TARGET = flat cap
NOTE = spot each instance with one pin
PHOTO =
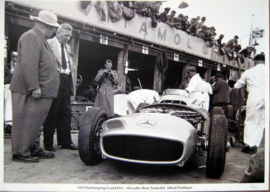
(218, 75)
(260, 57)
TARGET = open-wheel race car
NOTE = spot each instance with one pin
(169, 132)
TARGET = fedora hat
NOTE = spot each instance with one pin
(48, 18)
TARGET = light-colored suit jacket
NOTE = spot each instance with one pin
(54, 46)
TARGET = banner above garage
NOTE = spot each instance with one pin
(139, 28)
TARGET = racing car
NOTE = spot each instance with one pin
(168, 132)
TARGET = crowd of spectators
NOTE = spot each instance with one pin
(196, 27)
(192, 26)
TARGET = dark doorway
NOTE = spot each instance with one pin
(173, 75)
(14, 34)
(145, 64)
(201, 71)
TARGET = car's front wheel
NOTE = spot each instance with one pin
(216, 153)
(89, 135)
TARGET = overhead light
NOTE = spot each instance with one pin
(183, 5)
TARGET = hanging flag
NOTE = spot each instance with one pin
(258, 33)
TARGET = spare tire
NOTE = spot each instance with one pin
(89, 135)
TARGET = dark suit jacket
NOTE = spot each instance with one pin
(53, 44)
(220, 90)
(36, 66)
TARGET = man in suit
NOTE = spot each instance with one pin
(59, 116)
(220, 91)
(108, 80)
(34, 84)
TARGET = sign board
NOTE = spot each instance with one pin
(176, 57)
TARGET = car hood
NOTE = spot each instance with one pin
(150, 124)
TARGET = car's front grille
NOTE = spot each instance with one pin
(142, 148)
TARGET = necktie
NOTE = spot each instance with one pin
(64, 62)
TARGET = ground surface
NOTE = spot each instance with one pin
(67, 168)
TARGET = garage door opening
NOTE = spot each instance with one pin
(92, 58)
(14, 34)
(145, 64)
(173, 75)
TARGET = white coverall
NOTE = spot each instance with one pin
(141, 96)
(255, 115)
(207, 90)
(196, 89)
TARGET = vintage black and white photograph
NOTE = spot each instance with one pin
(135, 95)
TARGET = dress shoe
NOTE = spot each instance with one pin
(25, 159)
(70, 146)
(42, 154)
(49, 148)
(249, 150)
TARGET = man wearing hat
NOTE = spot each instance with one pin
(108, 80)
(59, 116)
(163, 15)
(195, 88)
(34, 84)
(255, 113)
(220, 91)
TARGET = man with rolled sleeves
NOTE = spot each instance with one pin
(34, 84)
(59, 116)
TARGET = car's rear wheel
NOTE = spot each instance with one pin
(216, 153)
(89, 135)
(217, 111)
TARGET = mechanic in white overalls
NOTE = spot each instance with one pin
(255, 113)
(195, 88)
(207, 91)
(135, 98)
